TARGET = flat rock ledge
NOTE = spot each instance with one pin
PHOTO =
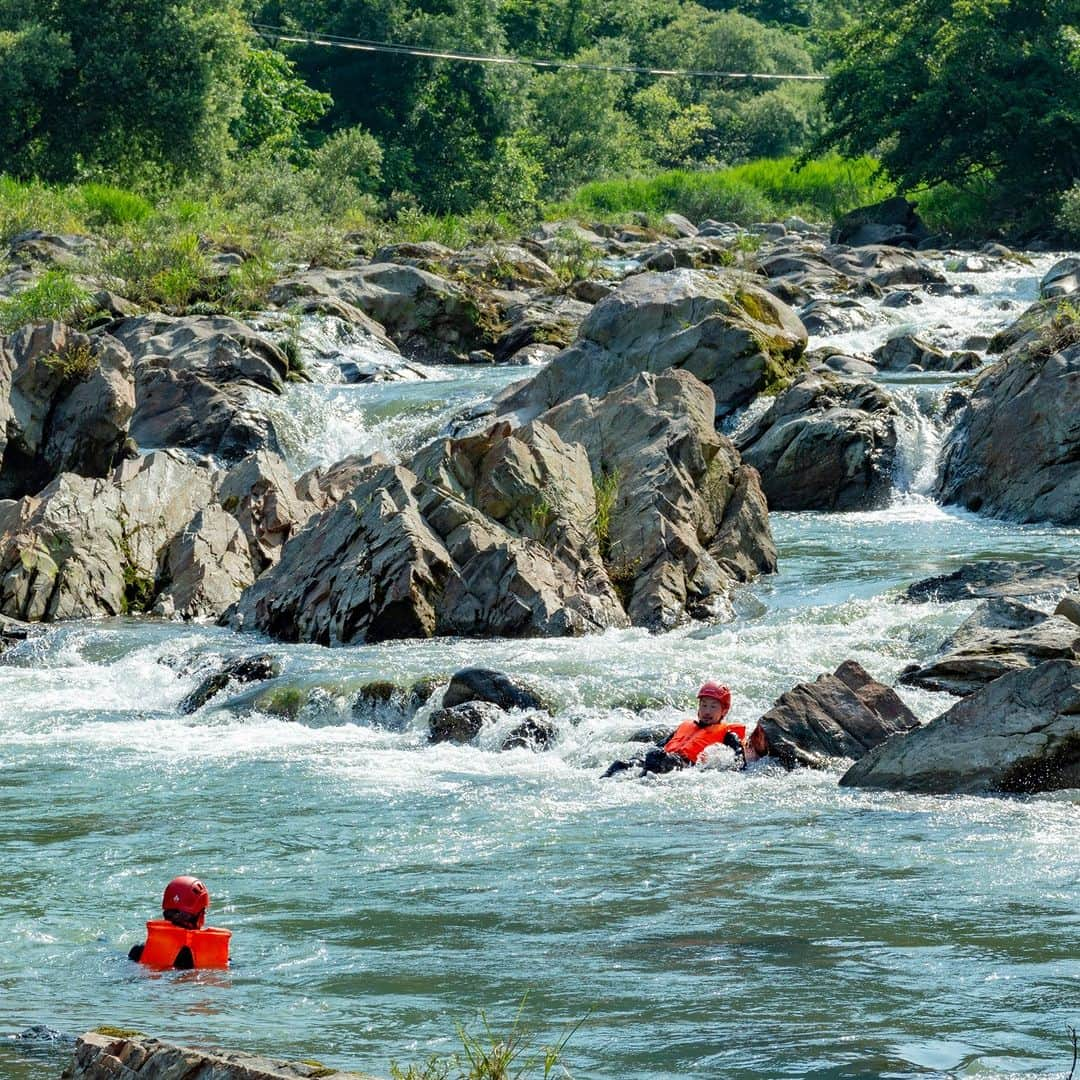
(110, 1057)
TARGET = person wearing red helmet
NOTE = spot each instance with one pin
(179, 939)
(691, 739)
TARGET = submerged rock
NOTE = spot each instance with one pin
(1018, 735)
(240, 669)
(993, 578)
(843, 715)
(462, 723)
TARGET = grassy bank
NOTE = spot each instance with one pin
(757, 191)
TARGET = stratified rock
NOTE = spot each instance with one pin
(65, 403)
(239, 670)
(731, 334)
(892, 221)
(1000, 636)
(1018, 735)
(843, 715)
(684, 517)
(426, 315)
(91, 547)
(550, 320)
(1014, 449)
(826, 443)
(138, 1057)
(993, 578)
(483, 684)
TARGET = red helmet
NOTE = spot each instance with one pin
(715, 690)
(187, 895)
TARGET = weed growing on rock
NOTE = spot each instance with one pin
(75, 363)
(606, 490)
(55, 295)
(1062, 332)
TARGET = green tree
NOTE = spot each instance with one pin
(128, 83)
(958, 90)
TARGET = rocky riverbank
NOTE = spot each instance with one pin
(627, 482)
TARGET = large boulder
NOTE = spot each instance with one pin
(892, 221)
(681, 516)
(1000, 636)
(1062, 279)
(1015, 445)
(1020, 734)
(826, 443)
(482, 684)
(65, 403)
(135, 1056)
(405, 557)
(426, 315)
(720, 327)
(843, 715)
(193, 380)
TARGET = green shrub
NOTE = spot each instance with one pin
(76, 363)
(171, 270)
(1068, 215)
(33, 205)
(55, 295)
(606, 489)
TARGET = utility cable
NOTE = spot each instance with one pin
(335, 41)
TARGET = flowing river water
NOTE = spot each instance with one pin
(382, 891)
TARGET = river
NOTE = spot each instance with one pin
(382, 891)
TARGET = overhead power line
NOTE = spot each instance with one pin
(337, 42)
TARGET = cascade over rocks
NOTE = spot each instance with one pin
(139, 1057)
(1002, 635)
(65, 403)
(428, 317)
(843, 715)
(238, 670)
(686, 517)
(1020, 734)
(733, 335)
(1014, 450)
(826, 443)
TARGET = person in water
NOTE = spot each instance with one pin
(179, 939)
(687, 746)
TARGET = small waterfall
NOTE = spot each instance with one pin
(920, 433)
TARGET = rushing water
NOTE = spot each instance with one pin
(710, 924)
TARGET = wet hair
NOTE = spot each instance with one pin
(184, 919)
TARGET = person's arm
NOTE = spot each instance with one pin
(135, 953)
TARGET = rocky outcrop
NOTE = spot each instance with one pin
(1018, 735)
(152, 536)
(193, 377)
(1014, 450)
(427, 316)
(682, 516)
(1000, 636)
(402, 557)
(65, 403)
(826, 443)
(843, 715)
(906, 352)
(545, 321)
(133, 1056)
(893, 221)
(722, 328)
(993, 578)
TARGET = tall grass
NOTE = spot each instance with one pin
(55, 295)
(824, 188)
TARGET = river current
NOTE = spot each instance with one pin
(382, 891)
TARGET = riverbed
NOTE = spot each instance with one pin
(382, 891)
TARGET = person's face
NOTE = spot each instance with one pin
(709, 711)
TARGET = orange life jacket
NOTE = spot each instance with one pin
(209, 946)
(690, 738)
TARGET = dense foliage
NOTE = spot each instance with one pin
(983, 95)
(979, 99)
